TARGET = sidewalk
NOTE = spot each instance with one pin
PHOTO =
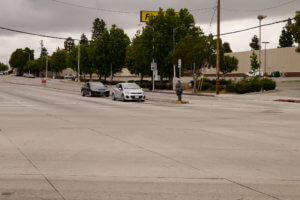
(184, 93)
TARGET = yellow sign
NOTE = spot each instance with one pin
(145, 15)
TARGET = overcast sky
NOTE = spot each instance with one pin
(53, 18)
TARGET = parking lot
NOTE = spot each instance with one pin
(56, 144)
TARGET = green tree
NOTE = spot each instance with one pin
(99, 49)
(229, 64)
(58, 60)
(254, 61)
(196, 53)
(69, 43)
(295, 29)
(117, 44)
(164, 24)
(20, 57)
(86, 65)
(254, 43)
(83, 39)
(3, 67)
(98, 28)
(44, 52)
(35, 66)
(72, 58)
(286, 37)
(139, 55)
(226, 47)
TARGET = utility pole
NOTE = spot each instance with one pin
(42, 47)
(260, 18)
(218, 51)
(78, 70)
(46, 66)
(265, 57)
(111, 72)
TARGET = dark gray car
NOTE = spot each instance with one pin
(94, 89)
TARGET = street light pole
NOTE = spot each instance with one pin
(260, 18)
(46, 67)
(174, 66)
(153, 71)
(265, 56)
(218, 50)
(78, 70)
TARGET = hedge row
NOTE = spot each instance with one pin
(240, 87)
(251, 85)
(148, 85)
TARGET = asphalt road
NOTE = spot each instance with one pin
(55, 144)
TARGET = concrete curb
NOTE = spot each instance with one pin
(187, 94)
(288, 100)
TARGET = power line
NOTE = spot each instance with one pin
(63, 38)
(247, 29)
(114, 11)
(92, 8)
(259, 10)
(35, 34)
(213, 16)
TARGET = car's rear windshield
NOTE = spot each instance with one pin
(130, 86)
(96, 84)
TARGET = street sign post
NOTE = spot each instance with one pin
(179, 66)
(153, 69)
(153, 66)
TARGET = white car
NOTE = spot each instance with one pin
(69, 76)
(128, 92)
(252, 73)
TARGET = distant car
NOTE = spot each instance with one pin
(252, 73)
(25, 75)
(69, 76)
(94, 89)
(128, 92)
(30, 76)
(1, 73)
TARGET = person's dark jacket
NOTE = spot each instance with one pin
(179, 88)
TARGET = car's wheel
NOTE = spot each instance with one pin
(123, 97)
(113, 96)
(82, 93)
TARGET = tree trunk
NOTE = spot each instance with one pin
(142, 78)
(91, 76)
(161, 79)
(111, 73)
(195, 79)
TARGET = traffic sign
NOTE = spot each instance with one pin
(179, 63)
(153, 66)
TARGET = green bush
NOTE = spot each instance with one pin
(251, 85)
(268, 84)
(206, 86)
(231, 87)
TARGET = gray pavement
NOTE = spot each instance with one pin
(55, 144)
